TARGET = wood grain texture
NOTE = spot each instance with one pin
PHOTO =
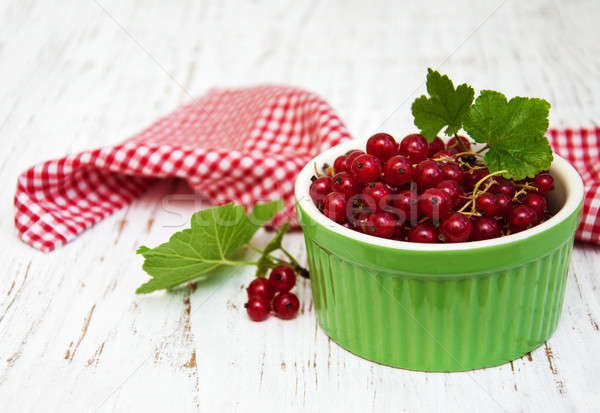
(79, 74)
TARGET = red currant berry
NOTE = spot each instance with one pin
(359, 221)
(381, 224)
(537, 202)
(473, 176)
(424, 233)
(451, 170)
(286, 305)
(258, 308)
(485, 228)
(521, 218)
(415, 147)
(334, 206)
(398, 171)
(454, 145)
(445, 155)
(343, 182)
(436, 146)
(376, 196)
(453, 189)
(366, 168)
(544, 183)
(427, 174)
(339, 165)
(503, 186)
(260, 287)
(435, 204)
(382, 146)
(504, 205)
(407, 203)
(351, 156)
(319, 189)
(487, 204)
(282, 278)
(456, 228)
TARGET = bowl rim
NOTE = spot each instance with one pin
(560, 167)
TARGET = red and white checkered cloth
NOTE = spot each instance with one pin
(241, 145)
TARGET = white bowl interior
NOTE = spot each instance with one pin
(563, 201)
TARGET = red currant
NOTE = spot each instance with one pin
(454, 145)
(398, 171)
(521, 218)
(443, 155)
(351, 156)
(503, 186)
(436, 146)
(456, 228)
(286, 305)
(258, 308)
(381, 224)
(382, 146)
(282, 278)
(407, 202)
(339, 165)
(424, 233)
(451, 170)
(504, 204)
(366, 168)
(415, 147)
(474, 176)
(435, 204)
(427, 174)
(544, 183)
(376, 196)
(485, 228)
(487, 204)
(343, 182)
(453, 189)
(260, 287)
(319, 189)
(537, 202)
(334, 206)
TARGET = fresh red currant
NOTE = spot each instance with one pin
(504, 204)
(339, 165)
(485, 228)
(503, 186)
(286, 305)
(359, 221)
(407, 202)
(319, 189)
(437, 145)
(521, 218)
(487, 204)
(366, 168)
(260, 287)
(343, 182)
(453, 189)
(415, 147)
(376, 196)
(454, 145)
(351, 156)
(544, 183)
(452, 171)
(427, 174)
(381, 224)
(473, 176)
(435, 204)
(282, 278)
(424, 233)
(397, 171)
(382, 146)
(258, 308)
(456, 228)
(537, 202)
(334, 206)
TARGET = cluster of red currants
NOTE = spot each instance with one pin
(427, 192)
(273, 293)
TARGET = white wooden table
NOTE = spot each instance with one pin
(79, 74)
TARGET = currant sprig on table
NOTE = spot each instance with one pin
(216, 238)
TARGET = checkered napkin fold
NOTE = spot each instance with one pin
(241, 145)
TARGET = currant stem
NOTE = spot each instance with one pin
(460, 143)
(486, 147)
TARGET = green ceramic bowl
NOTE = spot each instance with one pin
(440, 307)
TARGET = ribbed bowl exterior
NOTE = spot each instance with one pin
(457, 324)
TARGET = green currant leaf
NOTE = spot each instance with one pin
(445, 106)
(212, 241)
(514, 130)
